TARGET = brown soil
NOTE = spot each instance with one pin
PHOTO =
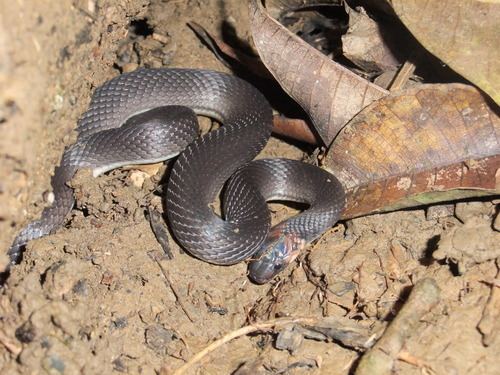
(98, 297)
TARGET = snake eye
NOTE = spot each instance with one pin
(278, 266)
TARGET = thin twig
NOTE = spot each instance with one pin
(264, 326)
(294, 128)
(170, 285)
(9, 344)
(414, 361)
(402, 76)
(221, 49)
(379, 360)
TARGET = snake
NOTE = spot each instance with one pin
(150, 115)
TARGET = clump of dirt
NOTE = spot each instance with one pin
(100, 295)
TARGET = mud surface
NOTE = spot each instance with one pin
(100, 297)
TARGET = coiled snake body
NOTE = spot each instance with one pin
(149, 115)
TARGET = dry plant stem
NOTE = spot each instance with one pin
(221, 50)
(295, 129)
(417, 362)
(342, 330)
(264, 326)
(380, 359)
(177, 297)
(9, 344)
(402, 77)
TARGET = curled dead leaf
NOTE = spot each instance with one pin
(328, 92)
(420, 146)
(365, 43)
(428, 144)
(464, 34)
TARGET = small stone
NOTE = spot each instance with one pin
(439, 212)
(58, 102)
(158, 337)
(129, 67)
(61, 276)
(26, 333)
(218, 310)
(107, 278)
(138, 178)
(81, 287)
(56, 363)
(48, 197)
(119, 365)
(96, 222)
(289, 339)
(91, 6)
(149, 169)
(120, 323)
(139, 215)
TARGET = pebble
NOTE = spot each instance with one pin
(26, 333)
(158, 337)
(289, 339)
(129, 67)
(138, 178)
(439, 212)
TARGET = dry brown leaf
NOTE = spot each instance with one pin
(277, 7)
(464, 34)
(328, 92)
(224, 51)
(423, 145)
(365, 43)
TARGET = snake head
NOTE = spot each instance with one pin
(276, 253)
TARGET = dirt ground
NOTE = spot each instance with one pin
(98, 297)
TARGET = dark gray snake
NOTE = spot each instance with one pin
(150, 115)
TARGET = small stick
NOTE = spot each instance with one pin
(402, 76)
(294, 128)
(169, 283)
(219, 48)
(264, 326)
(379, 360)
(9, 344)
(412, 360)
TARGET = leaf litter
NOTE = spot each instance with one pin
(99, 296)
